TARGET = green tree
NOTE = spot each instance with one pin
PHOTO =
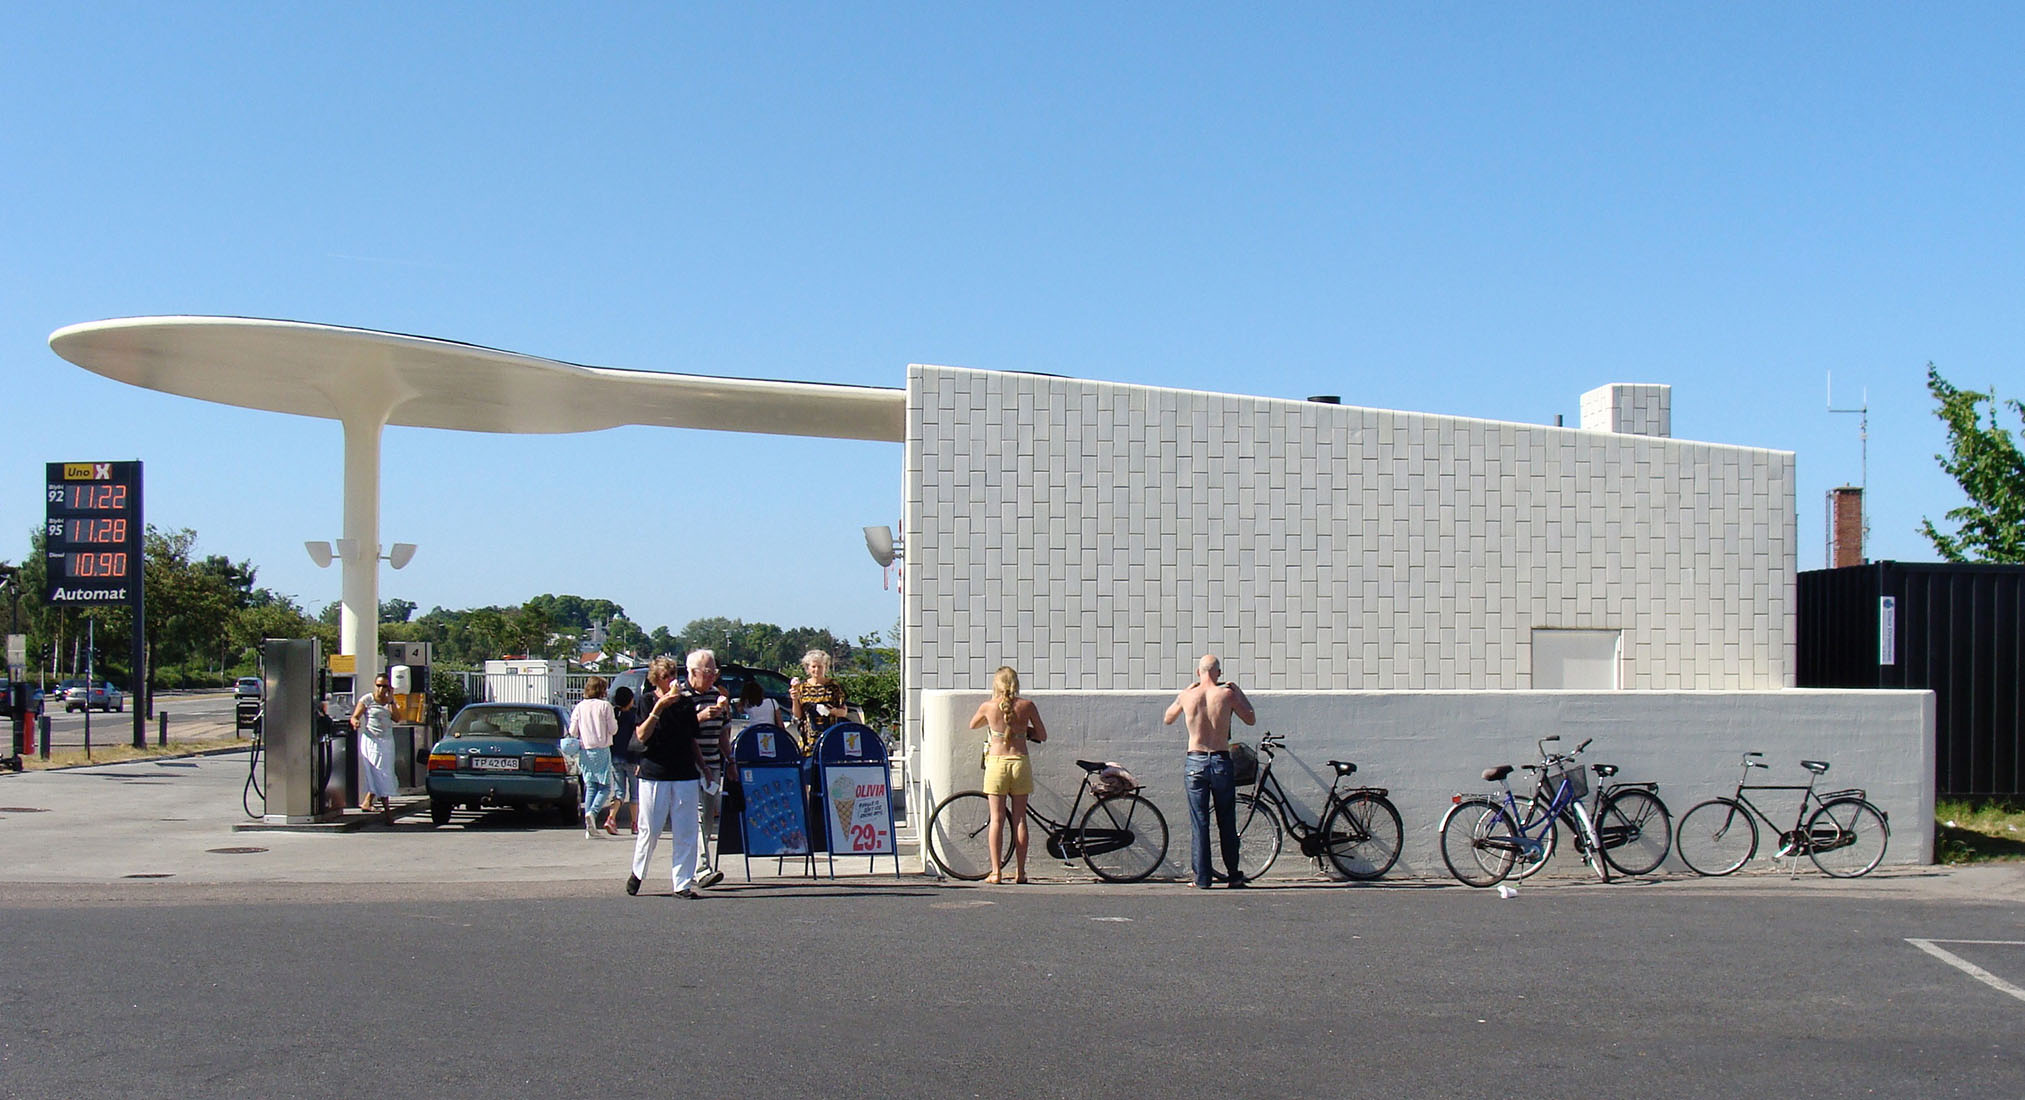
(661, 643)
(1983, 458)
(396, 611)
(623, 635)
(274, 616)
(871, 678)
(574, 612)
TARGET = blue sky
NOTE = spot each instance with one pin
(1477, 209)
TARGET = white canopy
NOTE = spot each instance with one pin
(335, 372)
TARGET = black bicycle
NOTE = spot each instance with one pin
(1122, 836)
(1359, 831)
(1845, 836)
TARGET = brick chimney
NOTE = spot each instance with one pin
(1845, 527)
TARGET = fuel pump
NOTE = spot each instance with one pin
(297, 740)
(414, 720)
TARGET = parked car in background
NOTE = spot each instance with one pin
(732, 678)
(34, 695)
(101, 695)
(248, 687)
(502, 754)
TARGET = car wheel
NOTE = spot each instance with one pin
(439, 809)
(122, 705)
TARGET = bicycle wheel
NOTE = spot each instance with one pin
(1716, 837)
(1123, 838)
(1478, 842)
(957, 839)
(1636, 831)
(1847, 837)
(1260, 837)
(1526, 864)
(1361, 834)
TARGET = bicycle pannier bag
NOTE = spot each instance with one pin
(1244, 764)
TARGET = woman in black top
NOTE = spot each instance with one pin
(671, 773)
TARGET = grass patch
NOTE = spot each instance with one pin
(1975, 832)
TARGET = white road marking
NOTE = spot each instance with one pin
(1969, 968)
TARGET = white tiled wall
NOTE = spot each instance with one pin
(1098, 536)
(1631, 409)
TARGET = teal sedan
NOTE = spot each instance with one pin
(503, 754)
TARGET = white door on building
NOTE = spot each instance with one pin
(1577, 660)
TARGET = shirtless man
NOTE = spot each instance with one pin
(1209, 704)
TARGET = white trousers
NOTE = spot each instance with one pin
(670, 804)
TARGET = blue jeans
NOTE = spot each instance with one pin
(1210, 781)
(596, 766)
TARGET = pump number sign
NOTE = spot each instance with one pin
(94, 550)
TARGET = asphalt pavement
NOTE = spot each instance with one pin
(157, 951)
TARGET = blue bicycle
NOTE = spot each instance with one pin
(1483, 838)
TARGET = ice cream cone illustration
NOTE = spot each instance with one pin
(844, 794)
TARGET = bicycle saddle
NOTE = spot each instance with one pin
(1605, 770)
(1818, 767)
(1492, 775)
(1091, 765)
(1343, 767)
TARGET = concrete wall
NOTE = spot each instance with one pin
(1098, 536)
(1426, 746)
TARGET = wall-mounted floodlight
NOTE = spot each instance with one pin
(881, 544)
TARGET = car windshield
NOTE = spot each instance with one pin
(506, 722)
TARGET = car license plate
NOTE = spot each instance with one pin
(496, 763)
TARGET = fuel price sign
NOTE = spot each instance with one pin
(94, 551)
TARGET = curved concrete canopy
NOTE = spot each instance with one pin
(344, 373)
(366, 380)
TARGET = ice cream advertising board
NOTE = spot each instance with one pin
(773, 820)
(855, 797)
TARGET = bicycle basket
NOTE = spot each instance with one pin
(1113, 780)
(1244, 764)
(1578, 784)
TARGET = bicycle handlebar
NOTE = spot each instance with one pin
(1560, 757)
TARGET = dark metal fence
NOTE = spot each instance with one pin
(1957, 630)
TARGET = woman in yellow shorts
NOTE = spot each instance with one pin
(1008, 774)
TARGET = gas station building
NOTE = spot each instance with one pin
(1426, 595)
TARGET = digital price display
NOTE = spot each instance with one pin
(94, 529)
